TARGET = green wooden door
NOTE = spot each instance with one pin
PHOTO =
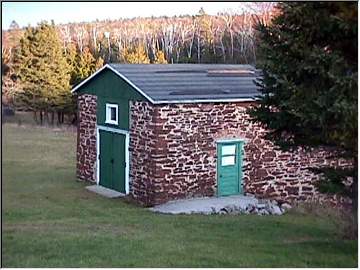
(118, 151)
(105, 159)
(229, 168)
(112, 160)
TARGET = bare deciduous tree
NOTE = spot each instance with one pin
(227, 37)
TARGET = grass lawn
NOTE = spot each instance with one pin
(50, 220)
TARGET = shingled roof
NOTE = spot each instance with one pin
(184, 83)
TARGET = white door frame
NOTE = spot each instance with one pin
(127, 166)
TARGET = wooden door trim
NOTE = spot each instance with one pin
(239, 157)
(127, 155)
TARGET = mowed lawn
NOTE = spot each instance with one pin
(50, 220)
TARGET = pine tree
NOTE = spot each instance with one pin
(160, 58)
(71, 58)
(99, 63)
(8, 82)
(83, 65)
(208, 52)
(308, 55)
(42, 70)
(137, 55)
(14, 25)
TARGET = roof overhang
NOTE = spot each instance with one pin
(107, 66)
(205, 100)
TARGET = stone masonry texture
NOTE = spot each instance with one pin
(177, 156)
(173, 153)
(142, 150)
(86, 140)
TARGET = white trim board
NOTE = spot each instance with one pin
(160, 101)
(111, 129)
(97, 156)
(231, 140)
(127, 154)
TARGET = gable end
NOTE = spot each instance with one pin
(108, 67)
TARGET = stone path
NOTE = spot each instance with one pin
(237, 204)
(204, 205)
(106, 192)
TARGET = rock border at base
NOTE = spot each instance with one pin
(263, 207)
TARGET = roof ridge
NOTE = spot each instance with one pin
(156, 84)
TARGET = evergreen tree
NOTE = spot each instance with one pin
(308, 55)
(160, 58)
(71, 58)
(98, 63)
(82, 65)
(85, 65)
(137, 55)
(14, 25)
(8, 83)
(42, 70)
(207, 42)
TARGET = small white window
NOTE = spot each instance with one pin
(228, 150)
(228, 161)
(228, 153)
(111, 114)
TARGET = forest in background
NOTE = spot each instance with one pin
(228, 37)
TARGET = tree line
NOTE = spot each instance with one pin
(38, 74)
(42, 63)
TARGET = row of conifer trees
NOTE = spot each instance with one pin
(40, 72)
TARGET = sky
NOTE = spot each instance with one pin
(25, 13)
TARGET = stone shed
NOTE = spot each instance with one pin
(165, 132)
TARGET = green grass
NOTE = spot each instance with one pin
(20, 118)
(50, 220)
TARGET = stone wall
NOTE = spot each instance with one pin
(180, 156)
(86, 141)
(142, 151)
(173, 153)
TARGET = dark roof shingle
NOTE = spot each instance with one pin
(192, 82)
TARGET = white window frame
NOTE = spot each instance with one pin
(108, 108)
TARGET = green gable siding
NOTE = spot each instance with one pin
(123, 115)
(110, 88)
